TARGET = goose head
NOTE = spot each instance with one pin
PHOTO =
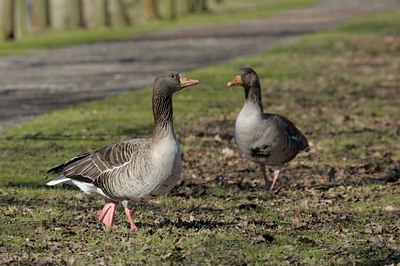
(245, 77)
(172, 82)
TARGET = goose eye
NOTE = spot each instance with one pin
(172, 76)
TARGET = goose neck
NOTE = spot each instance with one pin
(162, 114)
(253, 96)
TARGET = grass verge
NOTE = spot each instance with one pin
(337, 205)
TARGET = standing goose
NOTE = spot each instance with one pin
(266, 139)
(132, 170)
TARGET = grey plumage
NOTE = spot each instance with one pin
(110, 168)
(132, 170)
(264, 138)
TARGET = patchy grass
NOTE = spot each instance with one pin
(225, 12)
(339, 204)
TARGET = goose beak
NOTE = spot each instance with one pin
(237, 81)
(186, 82)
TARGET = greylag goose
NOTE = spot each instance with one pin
(266, 139)
(132, 170)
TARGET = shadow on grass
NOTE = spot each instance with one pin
(31, 185)
(198, 224)
(390, 178)
(383, 255)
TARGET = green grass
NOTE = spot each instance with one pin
(231, 10)
(340, 87)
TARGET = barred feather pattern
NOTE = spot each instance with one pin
(132, 170)
(123, 180)
(89, 166)
(127, 170)
(144, 176)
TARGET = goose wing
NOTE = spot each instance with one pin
(88, 167)
(291, 130)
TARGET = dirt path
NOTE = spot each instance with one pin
(54, 78)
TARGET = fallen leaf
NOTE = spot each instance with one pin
(391, 208)
(228, 152)
(378, 240)
(166, 256)
(144, 248)
(217, 138)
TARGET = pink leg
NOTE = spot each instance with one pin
(129, 215)
(107, 214)
(266, 179)
(276, 176)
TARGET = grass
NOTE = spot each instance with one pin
(231, 10)
(338, 204)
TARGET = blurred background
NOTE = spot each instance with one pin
(25, 17)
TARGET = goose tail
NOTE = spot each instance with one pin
(58, 180)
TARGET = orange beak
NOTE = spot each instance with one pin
(237, 81)
(186, 82)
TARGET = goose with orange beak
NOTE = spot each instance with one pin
(133, 170)
(264, 138)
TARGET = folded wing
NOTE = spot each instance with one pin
(289, 128)
(89, 166)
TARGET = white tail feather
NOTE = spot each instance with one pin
(87, 188)
(58, 180)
